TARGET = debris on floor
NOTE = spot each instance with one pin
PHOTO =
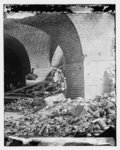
(61, 117)
(54, 83)
(48, 113)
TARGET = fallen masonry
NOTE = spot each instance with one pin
(42, 110)
(54, 83)
(61, 117)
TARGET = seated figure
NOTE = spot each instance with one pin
(32, 75)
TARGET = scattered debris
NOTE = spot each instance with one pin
(64, 118)
(51, 100)
(54, 83)
(47, 113)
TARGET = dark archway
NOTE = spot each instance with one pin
(16, 62)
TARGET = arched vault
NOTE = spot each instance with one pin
(63, 32)
(16, 61)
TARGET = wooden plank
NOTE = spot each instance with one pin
(23, 88)
(15, 97)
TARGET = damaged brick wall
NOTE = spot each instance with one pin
(63, 33)
(96, 31)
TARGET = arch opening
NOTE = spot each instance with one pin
(16, 64)
(58, 58)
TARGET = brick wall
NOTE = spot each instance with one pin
(75, 79)
(96, 32)
(51, 30)
(90, 35)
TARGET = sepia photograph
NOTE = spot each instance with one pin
(59, 74)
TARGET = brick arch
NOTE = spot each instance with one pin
(15, 59)
(58, 58)
(63, 33)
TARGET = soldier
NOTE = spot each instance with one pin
(32, 75)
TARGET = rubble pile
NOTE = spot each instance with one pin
(61, 117)
(25, 105)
